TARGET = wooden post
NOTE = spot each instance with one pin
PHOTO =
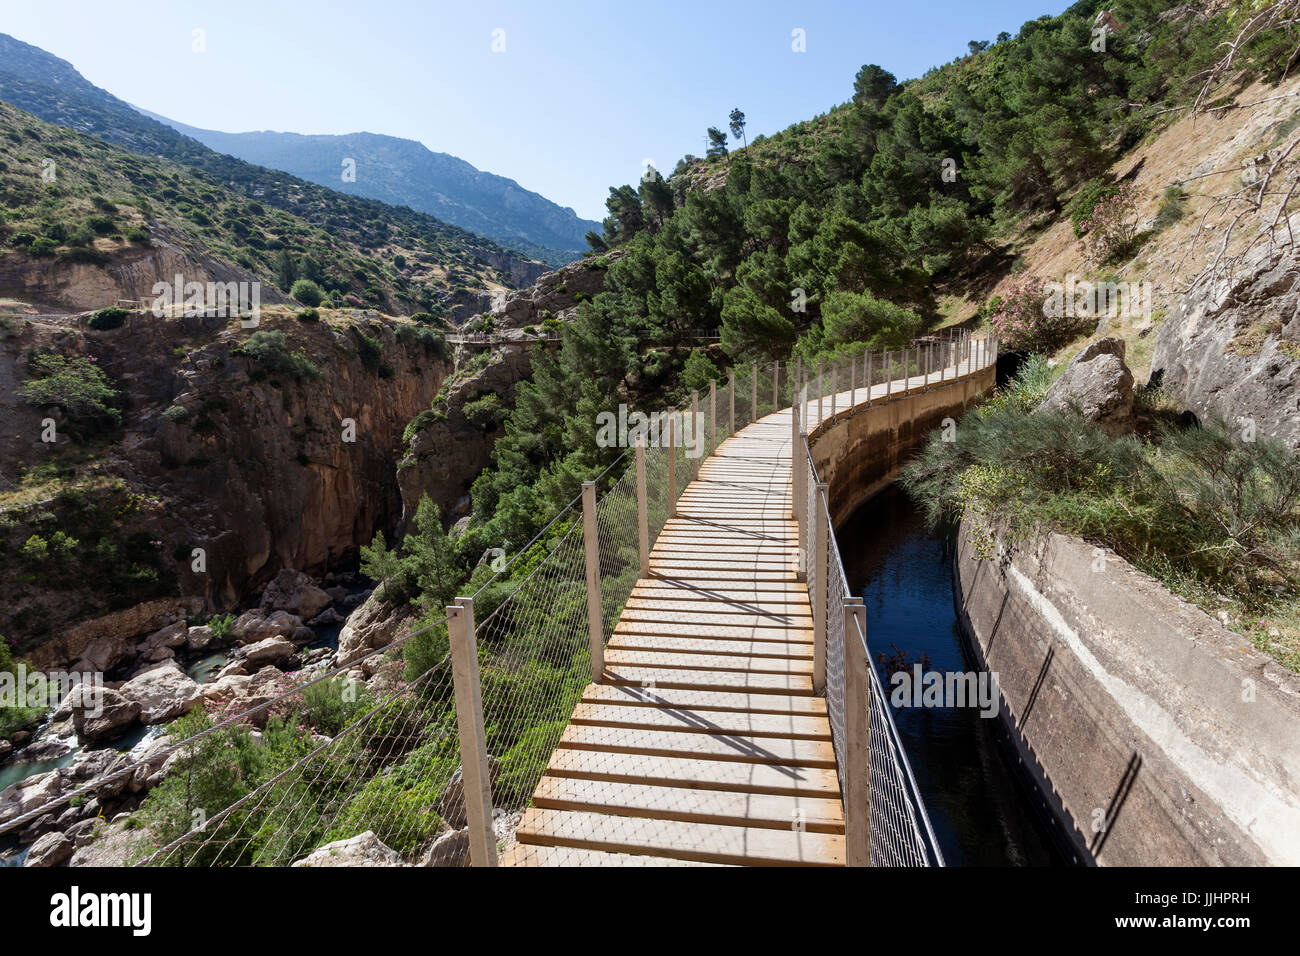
(853, 383)
(591, 545)
(820, 542)
(835, 386)
(731, 402)
(866, 373)
(695, 437)
(857, 736)
(672, 464)
(753, 392)
(776, 387)
(889, 376)
(713, 416)
(642, 510)
(476, 784)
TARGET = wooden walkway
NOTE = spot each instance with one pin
(704, 744)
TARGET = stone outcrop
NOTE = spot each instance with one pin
(363, 850)
(554, 293)
(1230, 349)
(372, 625)
(53, 849)
(451, 806)
(99, 713)
(104, 642)
(1098, 384)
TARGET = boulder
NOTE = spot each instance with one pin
(273, 650)
(370, 626)
(52, 849)
(1098, 384)
(294, 592)
(364, 850)
(451, 806)
(200, 638)
(256, 625)
(99, 713)
(163, 693)
(450, 849)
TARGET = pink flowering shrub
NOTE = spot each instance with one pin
(1022, 320)
(1111, 227)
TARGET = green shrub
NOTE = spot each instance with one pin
(699, 371)
(176, 413)
(138, 235)
(269, 348)
(42, 248)
(308, 315)
(485, 411)
(307, 292)
(74, 384)
(106, 319)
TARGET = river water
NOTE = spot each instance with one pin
(982, 814)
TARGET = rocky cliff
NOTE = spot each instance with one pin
(1231, 347)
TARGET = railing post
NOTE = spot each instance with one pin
(853, 383)
(713, 416)
(642, 510)
(889, 376)
(776, 387)
(866, 373)
(857, 736)
(591, 546)
(695, 426)
(820, 543)
(753, 392)
(476, 785)
(672, 465)
(731, 401)
(835, 386)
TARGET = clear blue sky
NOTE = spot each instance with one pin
(583, 93)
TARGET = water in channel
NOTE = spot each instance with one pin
(981, 812)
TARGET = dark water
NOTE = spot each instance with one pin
(980, 812)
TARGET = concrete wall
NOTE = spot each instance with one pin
(861, 450)
(1135, 708)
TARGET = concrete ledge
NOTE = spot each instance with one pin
(1135, 708)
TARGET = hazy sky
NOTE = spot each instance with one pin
(580, 96)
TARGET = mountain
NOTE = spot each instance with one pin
(405, 172)
(412, 260)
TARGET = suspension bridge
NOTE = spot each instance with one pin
(673, 672)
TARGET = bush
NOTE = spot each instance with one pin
(106, 319)
(699, 371)
(42, 248)
(74, 384)
(176, 413)
(307, 292)
(1024, 319)
(308, 315)
(485, 411)
(269, 348)
(138, 235)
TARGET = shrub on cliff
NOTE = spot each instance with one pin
(307, 292)
(106, 319)
(73, 383)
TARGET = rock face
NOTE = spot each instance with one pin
(364, 850)
(1099, 384)
(294, 592)
(1231, 348)
(554, 293)
(273, 650)
(445, 455)
(162, 693)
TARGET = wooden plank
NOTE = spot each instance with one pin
(671, 660)
(727, 631)
(704, 700)
(709, 680)
(522, 854)
(721, 807)
(672, 743)
(682, 840)
(703, 722)
(705, 645)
